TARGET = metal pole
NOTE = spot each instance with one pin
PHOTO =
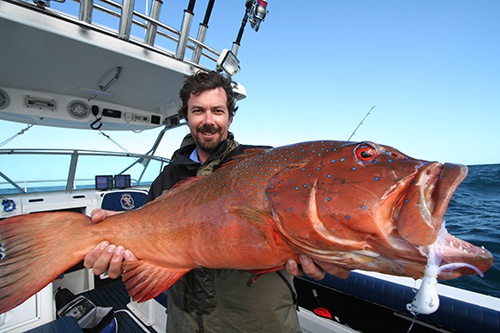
(72, 171)
(86, 10)
(186, 26)
(126, 19)
(155, 14)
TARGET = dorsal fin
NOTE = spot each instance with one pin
(187, 181)
(247, 153)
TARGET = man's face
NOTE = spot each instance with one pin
(208, 119)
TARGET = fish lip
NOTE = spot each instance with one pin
(420, 218)
(446, 182)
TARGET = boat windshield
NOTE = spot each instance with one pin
(42, 170)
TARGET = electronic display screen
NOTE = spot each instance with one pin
(103, 182)
(122, 181)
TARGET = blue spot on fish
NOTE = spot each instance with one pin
(377, 178)
(347, 217)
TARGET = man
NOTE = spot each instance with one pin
(214, 300)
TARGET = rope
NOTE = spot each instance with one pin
(16, 135)
(116, 143)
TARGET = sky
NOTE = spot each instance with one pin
(430, 69)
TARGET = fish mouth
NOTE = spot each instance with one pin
(421, 217)
(427, 197)
(462, 257)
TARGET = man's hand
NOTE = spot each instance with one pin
(315, 269)
(106, 257)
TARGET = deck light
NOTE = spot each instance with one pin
(228, 62)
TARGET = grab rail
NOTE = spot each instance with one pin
(149, 24)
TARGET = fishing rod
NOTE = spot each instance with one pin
(361, 122)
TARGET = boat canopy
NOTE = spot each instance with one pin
(62, 69)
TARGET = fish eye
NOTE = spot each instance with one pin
(365, 153)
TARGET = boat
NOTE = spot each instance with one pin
(97, 66)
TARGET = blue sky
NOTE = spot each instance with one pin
(431, 69)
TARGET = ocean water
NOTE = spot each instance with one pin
(474, 215)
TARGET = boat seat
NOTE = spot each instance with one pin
(123, 200)
(61, 325)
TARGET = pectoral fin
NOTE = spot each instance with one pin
(145, 281)
(259, 219)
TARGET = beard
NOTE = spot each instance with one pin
(208, 145)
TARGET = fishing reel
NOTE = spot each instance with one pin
(257, 13)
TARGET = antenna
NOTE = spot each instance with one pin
(361, 122)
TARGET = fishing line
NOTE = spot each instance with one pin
(412, 323)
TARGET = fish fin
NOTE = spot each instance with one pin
(186, 182)
(145, 281)
(247, 153)
(35, 249)
(260, 219)
(260, 272)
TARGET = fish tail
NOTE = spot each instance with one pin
(35, 249)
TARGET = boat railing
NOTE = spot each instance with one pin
(145, 28)
(47, 170)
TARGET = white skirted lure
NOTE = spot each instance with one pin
(426, 301)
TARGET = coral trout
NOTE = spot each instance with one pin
(356, 205)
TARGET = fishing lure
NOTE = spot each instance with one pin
(426, 301)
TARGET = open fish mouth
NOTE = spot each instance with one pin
(431, 192)
(458, 257)
(427, 197)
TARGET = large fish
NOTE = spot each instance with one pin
(357, 205)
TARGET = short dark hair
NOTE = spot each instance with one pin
(202, 81)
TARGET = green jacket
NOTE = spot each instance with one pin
(224, 300)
